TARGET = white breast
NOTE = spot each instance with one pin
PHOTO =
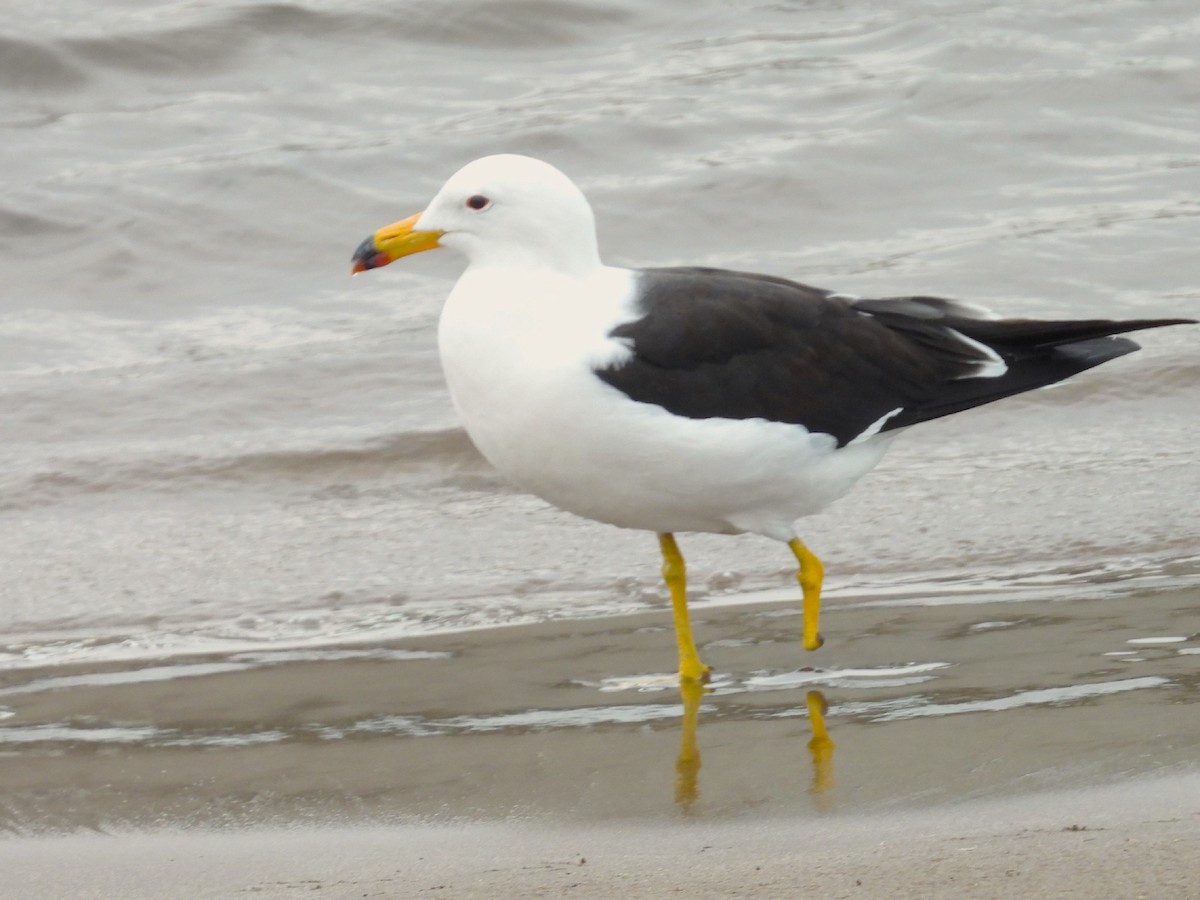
(519, 349)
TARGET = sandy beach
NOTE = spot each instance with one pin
(1137, 840)
(993, 750)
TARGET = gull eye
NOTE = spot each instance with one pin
(478, 202)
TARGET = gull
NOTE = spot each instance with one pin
(695, 399)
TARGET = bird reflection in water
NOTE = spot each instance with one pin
(687, 764)
(820, 748)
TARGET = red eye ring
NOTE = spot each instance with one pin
(478, 202)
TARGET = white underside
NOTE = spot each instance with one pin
(519, 347)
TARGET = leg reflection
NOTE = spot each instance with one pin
(687, 766)
(821, 748)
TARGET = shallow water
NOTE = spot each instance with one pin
(989, 696)
(217, 444)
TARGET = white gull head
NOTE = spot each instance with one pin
(515, 210)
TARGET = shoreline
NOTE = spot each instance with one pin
(976, 748)
(1126, 840)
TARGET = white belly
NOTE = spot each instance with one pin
(519, 358)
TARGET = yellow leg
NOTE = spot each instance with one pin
(675, 575)
(810, 576)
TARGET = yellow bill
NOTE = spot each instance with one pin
(391, 243)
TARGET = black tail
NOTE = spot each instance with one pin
(1036, 354)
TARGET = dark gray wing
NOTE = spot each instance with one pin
(713, 343)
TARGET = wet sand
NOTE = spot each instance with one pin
(1138, 840)
(996, 744)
